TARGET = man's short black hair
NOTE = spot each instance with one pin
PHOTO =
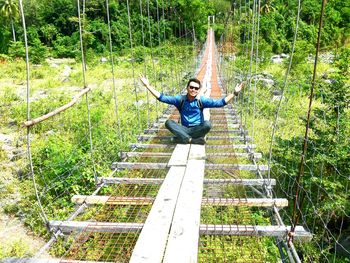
(194, 80)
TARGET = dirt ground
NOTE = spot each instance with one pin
(16, 240)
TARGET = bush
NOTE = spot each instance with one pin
(4, 58)
(65, 47)
(37, 52)
(17, 50)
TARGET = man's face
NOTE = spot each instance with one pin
(193, 89)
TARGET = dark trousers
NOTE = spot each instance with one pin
(185, 133)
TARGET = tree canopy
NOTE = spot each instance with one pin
(53, 23)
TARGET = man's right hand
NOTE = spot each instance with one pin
(144, 80)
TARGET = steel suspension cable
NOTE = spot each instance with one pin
(159, 46)
(283, 89)
(152, 55)
(86, 95)
(254, 32)
(133, 69)
(245, 105)
(257, 54)
(43, 214)
(112, 68)
(145, 67)
(164, 35)
(298, 202)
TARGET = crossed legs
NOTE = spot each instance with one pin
(189, 134)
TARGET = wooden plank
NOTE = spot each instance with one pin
(123, 200)
(231, 146)
(235, 155)
(214, 122)
(162, 120)
(124, 180)
(240, 167)
(151, 243)
(95, 227)
(209, 166)
(218, 116)
(248, 230)
(138, 165)
(145, 137)
(251, 182)
(154, 130)
(124, 155)
(215, 125)
(225, 125)
(197, 152)
(251, 202)
(204, 229)
(111, 200)
(180, 154)
(151, 145)
(184, 232)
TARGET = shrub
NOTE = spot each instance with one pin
(37, 52)
(17, 50)
(65, 46)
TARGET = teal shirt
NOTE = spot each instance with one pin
(191, 114)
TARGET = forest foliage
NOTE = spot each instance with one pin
(52, 25)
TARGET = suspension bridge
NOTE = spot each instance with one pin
(168, 202)
(169, 189)
(176, 183)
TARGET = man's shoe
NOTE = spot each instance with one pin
(199, 140)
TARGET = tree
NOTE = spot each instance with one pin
(9, 9)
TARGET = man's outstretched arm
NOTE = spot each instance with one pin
(237, 90)
(145, 82)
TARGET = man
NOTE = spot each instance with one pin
(193, 127)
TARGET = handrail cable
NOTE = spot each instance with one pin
(133, 69)
(112, 68)
(152, 54)
(86, 95)
(159, 45)
(283, 89)
(255, 31)
(298, 203)
(43, 214)
(145, 67)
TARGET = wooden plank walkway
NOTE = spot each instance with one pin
(171, 207)
(152, 241)
(184, 232)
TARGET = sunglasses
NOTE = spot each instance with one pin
(191, 87)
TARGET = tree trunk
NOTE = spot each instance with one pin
(13, 30)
